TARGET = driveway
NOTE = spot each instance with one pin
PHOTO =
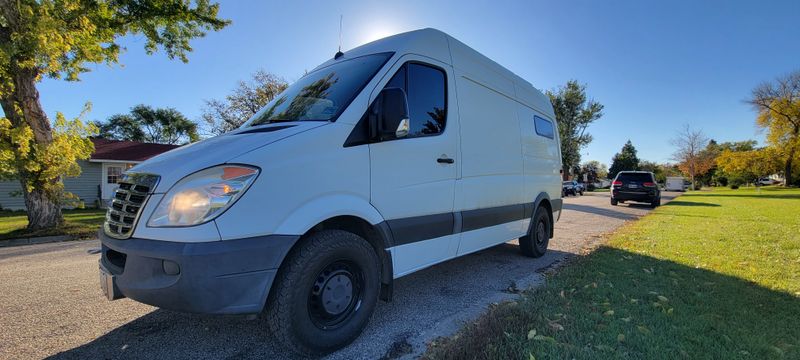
(51, 305)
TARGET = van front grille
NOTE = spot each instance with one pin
(127, 203)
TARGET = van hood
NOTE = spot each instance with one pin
(175, 164)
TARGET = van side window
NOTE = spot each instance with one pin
(544, 127)
(425, 88)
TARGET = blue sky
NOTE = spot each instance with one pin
(654, 65)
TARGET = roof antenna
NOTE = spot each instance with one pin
(339, 53)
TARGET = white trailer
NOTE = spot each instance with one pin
(675, 183)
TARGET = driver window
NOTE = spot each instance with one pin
(425, 87)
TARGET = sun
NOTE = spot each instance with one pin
(376, 31)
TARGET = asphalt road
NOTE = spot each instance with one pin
(51, 305)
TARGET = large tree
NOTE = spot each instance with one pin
(243, 102)
(748, 165)
(57, 39)
(625, 160)
(574, 112)
(778, 106)
(145, 124)
(691, 152)
(594, 171)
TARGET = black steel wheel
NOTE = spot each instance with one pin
(335, 295)
(324, 293)
(535, 243)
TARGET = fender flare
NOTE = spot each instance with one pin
(555, 205)
(319, 210)
(303, 218)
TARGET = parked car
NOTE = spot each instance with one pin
(572, 187)
(567, 188)
(767, 181)
(315, 205)
(639, 186)
(580, 188)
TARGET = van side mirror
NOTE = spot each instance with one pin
(392, 114)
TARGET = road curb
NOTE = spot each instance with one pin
(35, 240)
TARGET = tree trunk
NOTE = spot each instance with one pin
(43, 213)
(22, 107)
(788, 169)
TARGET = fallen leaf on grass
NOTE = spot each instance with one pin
(608, 313)
(621, 337)
(627, 319)
(556, 326)
(531, 334)
(544, 338)
(604, 348)
(643, 329)
(662, 298)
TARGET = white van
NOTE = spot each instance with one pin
(387, 159)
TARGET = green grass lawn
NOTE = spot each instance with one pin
(82, 223)
(711, 275)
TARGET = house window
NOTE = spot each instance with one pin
(114, 173)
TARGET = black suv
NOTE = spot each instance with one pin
(637, 186)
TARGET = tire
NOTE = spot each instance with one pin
(656, 203)
(535, 243)
(344, 264)
(613, 202)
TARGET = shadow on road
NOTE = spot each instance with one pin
(601, 211)
(422, 301)
(692, 203)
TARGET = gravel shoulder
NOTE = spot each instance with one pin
(52, 305)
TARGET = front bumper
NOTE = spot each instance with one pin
(218, 277)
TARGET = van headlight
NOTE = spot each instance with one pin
(202, 196)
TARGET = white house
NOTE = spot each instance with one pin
(99, 174)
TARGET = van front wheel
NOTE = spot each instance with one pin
(324, 293)
(535, 243)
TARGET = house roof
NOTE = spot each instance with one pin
(121, 150)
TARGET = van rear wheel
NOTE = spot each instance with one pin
(535, 243)
(324, 293)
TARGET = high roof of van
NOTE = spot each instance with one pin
(468, 63)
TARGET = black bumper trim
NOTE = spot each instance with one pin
(219, 277)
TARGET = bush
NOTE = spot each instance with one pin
(735, 182)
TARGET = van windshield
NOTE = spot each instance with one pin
(323, 94)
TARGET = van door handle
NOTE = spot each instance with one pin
(445, 160)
